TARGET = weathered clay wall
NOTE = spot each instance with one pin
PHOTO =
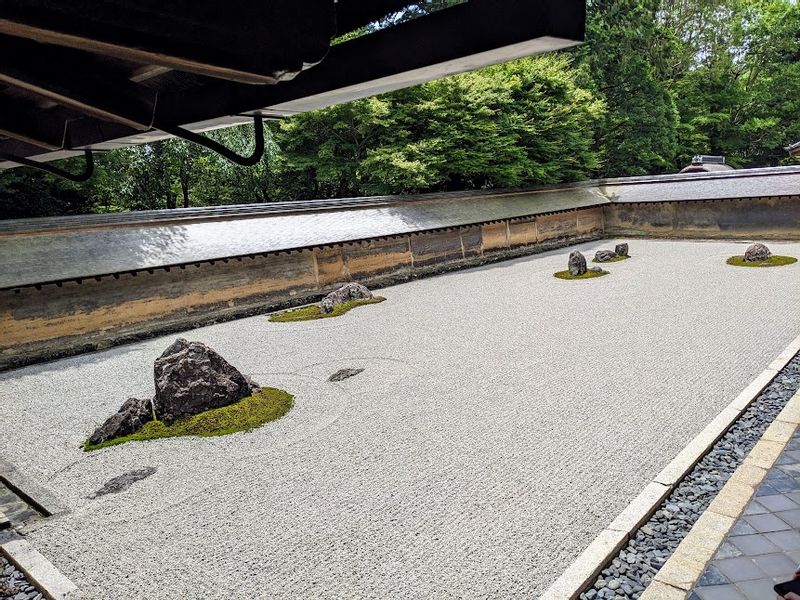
(746, 218)
(41, 322)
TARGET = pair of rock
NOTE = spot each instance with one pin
(757, 253)
(577, 264)
(607, 255)
(190, 378)
(346, 293)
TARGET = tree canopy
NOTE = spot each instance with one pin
(656, 82)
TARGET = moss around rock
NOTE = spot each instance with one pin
(772, 261)
(309, 313)
(245, 415)
(610, 260)
(587, 275)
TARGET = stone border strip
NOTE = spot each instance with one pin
(5, 522)
(583, 571)
(30, 491)
(38, 570)
(676, 579)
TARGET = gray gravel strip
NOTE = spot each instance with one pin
(634, 567)
(14, 585)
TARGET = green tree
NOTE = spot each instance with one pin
(626, 53)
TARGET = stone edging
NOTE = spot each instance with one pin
(30, 491)
(686, 565)
(607, 544)
(38, 570)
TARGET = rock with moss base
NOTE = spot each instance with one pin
(757, 253)
(191, 378)
(605, 255)
(621, 249)
(131, 417)
(576, 264)
(346, 293)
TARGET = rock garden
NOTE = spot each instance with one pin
(198, 393)
(758, 255)
(337, 303)
(577, 269)
(620, 252)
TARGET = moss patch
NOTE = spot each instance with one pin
(247, 414)
(772, 261)
(615, 259)
(587, 275)
(309, 313)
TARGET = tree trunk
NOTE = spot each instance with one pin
(184, 177)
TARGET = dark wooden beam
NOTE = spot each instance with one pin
(43, 129)
(237, 40)
(461, 38)
(71, 79)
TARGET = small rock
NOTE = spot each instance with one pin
(131, 417)
(598, 270)
(621, 249)
(342, 374)
(576, 263)
(604, 255)
(346, 293)
(757, 253)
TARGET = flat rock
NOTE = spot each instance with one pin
(605, 255)
(131, 417)
(757, 253)
(123, 482)
(342, 374)
(346, 293)
(621, 249)
(191, 378)
(576, 263)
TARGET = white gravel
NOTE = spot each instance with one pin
(504, 417)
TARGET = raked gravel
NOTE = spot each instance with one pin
(503, 418)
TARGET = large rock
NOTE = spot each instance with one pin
(621, 249)
(604, 255)
(757, 253)
(576, 263)
(130, 418)
(191, 378)
(346, 293)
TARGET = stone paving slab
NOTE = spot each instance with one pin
(763, 547)
(504, 418)
(15, 511)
